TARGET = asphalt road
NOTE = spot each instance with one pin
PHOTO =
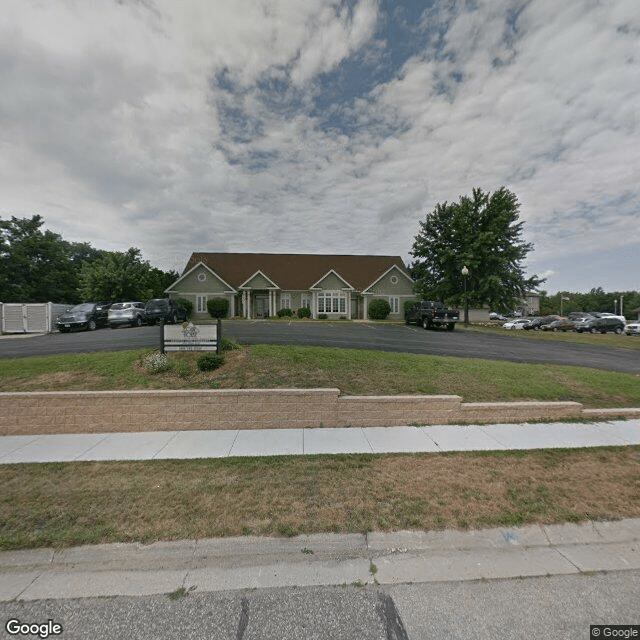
(553, 608)
(382, 337)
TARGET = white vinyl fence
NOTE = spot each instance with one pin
(37, 317)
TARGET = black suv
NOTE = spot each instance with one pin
(88, 316)
(160, 309)
(601, 325)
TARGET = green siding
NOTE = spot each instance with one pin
(331, 283)
(210, 285)
(259, 282)
(385, 287)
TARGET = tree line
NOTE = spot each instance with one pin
(618, 302)
(37, 265)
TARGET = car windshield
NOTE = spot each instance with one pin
(120, 305)
(87, 306)
(156, 304)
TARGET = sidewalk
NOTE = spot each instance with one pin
(385, 559)
(158, 445)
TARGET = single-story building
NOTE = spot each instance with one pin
(258, 285)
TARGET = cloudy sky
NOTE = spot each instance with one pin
(324, 126)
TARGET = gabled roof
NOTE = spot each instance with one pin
(245, 284)
(296, 272)
(326, 275)
(395, 266)
(187, 271)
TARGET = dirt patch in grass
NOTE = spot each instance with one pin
(55, 381)
(79, 503)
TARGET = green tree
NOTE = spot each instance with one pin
(37, 265)
(114, 276)
(481, 232)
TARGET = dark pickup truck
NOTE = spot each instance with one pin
(431, 314)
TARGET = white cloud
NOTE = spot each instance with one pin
(186, 126)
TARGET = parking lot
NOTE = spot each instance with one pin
(497, 344)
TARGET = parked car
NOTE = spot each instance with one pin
(429, 314)
(88, 316)
(164, 309)
(131, 313)
(537, 323)
(562, 324)
(601, 325)
(632, 329)
(517, 323)
(604, 314)
(496, 316)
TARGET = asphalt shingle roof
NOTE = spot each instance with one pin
(296, 272)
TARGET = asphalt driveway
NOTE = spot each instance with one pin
(382, 337)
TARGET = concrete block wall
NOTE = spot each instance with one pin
(112, 411)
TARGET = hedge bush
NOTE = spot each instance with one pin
(218, 307)
(304, 312)
(187, 305)
(284, 312)
(379, 309)
(322, 316)
(209, 361)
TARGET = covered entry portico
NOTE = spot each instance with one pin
(258, 303)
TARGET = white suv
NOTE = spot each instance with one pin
(131, 313)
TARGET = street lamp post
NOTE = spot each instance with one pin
(465, 273)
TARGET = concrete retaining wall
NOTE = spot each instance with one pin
(112, 411)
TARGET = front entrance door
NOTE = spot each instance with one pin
(262, 305)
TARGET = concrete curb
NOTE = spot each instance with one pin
(319, 560)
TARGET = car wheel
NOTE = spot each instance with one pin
(425, 323)
(64, 330)
(451, 326)
(91, 325)
(138, 321)
(594, 330)
(114, 326)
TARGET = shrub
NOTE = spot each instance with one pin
(284, 312)
(322, 316)
(209, 361)
(228, 345)
(187, 305)
(218, 307)
(408, 304)
(379, 309)
(156, 363)
(304, 312)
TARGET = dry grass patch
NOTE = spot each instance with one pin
(79, 503)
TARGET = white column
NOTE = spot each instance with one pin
(232, 306)
(364, 300)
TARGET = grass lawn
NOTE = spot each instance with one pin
(353, 371)
(65, 504)
(88, 503)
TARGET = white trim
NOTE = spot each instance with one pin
(202, 298)
(200, 264)
(395, 266)
(335, 273)
(244, 285)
